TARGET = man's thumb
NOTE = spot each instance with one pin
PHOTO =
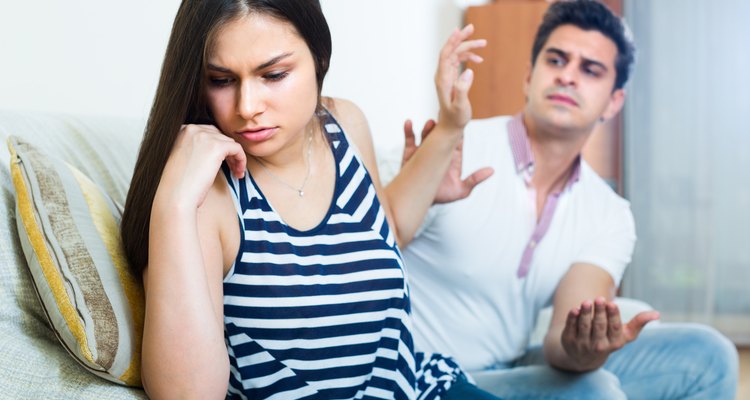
(461, 90)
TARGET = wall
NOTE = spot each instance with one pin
(82, 56)
(101, 57)
(384, 58)
(687, 157)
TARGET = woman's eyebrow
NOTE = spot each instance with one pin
(272, 61)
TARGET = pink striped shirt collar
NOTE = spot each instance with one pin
(523, 157)
(524, 162)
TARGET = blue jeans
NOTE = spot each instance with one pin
(463, 390)
(667, 361)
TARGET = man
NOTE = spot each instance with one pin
(545, 229)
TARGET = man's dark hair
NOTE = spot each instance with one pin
(589, 15)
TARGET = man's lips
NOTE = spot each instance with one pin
(257, 134)
(563, 99)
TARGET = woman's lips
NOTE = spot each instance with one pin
(258, 135)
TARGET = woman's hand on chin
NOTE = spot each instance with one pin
(193, 164)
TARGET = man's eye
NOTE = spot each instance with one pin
(592, 72)
(274, 77)
(555, 61)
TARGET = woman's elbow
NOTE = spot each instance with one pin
(165, 385)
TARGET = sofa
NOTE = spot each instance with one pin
(33, 363)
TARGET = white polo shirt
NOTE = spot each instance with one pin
(472, 296)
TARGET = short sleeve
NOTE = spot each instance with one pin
(611, 247)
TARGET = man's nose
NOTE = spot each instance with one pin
(568, 76)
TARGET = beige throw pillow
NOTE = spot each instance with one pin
(69, 230)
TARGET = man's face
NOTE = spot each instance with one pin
(570, 86)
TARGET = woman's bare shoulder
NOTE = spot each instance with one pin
(349, 115)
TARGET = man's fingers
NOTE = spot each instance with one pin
(465, 51)
(614, 326)
(458, 101)
(427, 128)
(584, 320)
(570, 331)
(409, 132)
(599, 325)
(450, 45)
(461, 89)
(476, 178)
(447, 61)
(455, 40)
(636, 324)
(410, 145)
(457, 49)
(467, 31)
(468, 45)
(468, 56)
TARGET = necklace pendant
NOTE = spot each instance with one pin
(301, 193)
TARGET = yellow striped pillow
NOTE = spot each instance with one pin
(69, 230)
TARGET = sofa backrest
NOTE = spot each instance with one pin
(104, 148)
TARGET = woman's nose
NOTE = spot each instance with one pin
(251, 101)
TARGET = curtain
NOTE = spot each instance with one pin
(687, 161)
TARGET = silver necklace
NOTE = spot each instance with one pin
(301, 190)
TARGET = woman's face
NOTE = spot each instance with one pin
(260, 84)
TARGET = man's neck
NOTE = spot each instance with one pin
(554, 155)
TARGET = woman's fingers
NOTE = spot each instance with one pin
(237, 159)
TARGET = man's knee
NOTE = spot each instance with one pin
(707, 358)
(719, 357)
(708, 344)
(598, 384)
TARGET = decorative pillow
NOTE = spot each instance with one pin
(69, 230)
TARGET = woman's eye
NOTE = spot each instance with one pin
(220, 82)
(273, 77)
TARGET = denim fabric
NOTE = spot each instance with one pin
(463, 390)
(667, 361)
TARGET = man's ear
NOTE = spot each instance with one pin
(616, 101)
(527, 80)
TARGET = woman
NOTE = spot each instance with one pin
(307, 299)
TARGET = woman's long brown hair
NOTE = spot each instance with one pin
(179, 96)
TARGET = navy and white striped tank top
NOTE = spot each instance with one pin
(324, 313)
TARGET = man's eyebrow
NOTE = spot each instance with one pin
(275, 60)
(557, 52)
(587, 61)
